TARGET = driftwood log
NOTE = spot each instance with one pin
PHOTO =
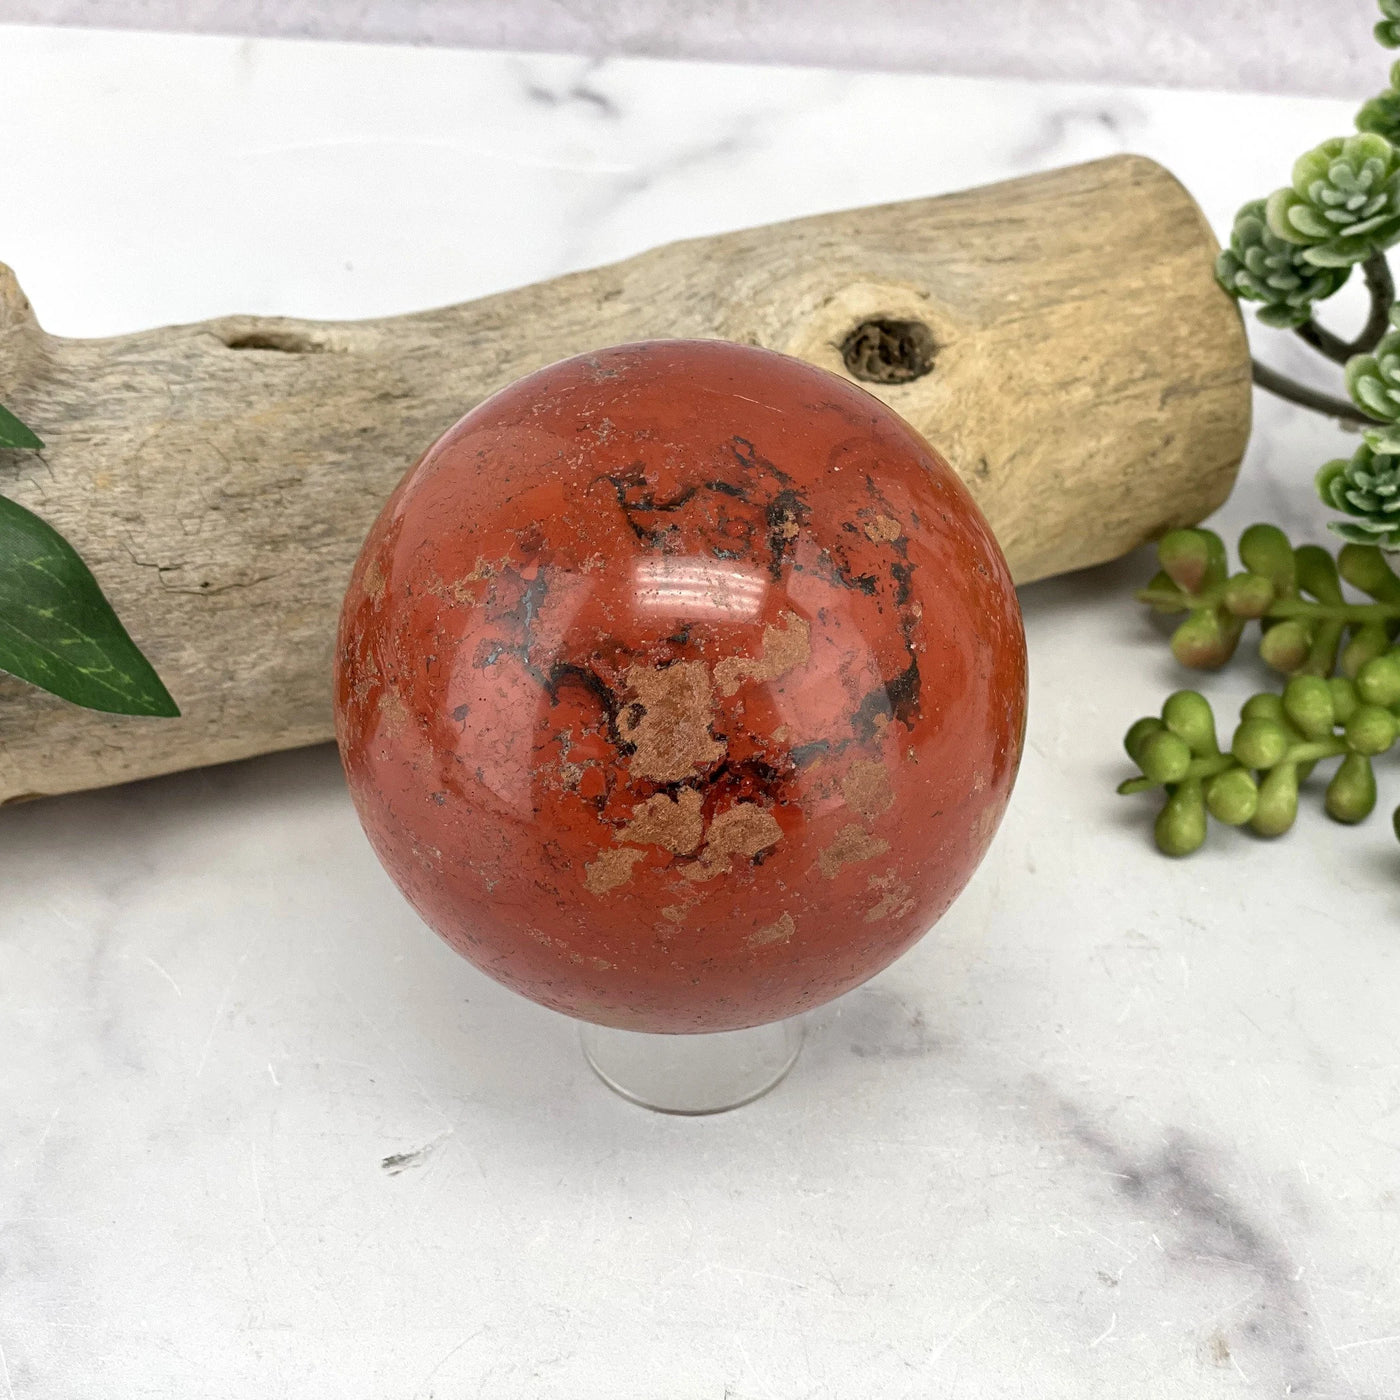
(1060, 339)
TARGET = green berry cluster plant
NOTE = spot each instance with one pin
(1307, 624)
(1278, 742)
(1341, 700)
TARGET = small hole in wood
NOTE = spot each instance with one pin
(284, 342)
(886, 351)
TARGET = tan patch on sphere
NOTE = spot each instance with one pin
(781, 650)
(895, 899)
(853, 844)
(610, 869)
(777, 932)
(674, 823)
(374, 580)
(669, 724)
(866, 788)
(883, 529)
(395, 713)
(742, 830)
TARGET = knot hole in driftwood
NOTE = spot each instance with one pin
(283, 340)
(887, 351)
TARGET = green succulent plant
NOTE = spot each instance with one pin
(1373, 380)
(1365, 487)
(1387, 32)
(1343, 203)
(1260, 266)
(1381, 113)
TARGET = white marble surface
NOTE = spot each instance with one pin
(1290, 46)
(1120, 1127)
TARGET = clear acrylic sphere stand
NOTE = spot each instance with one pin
(693, 1074)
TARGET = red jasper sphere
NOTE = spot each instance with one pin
(681, 686)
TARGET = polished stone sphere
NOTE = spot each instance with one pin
(681, 686)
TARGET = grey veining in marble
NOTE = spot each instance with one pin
(1119, 1127)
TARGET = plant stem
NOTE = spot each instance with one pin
(1381, 285)
(1351, 614)
(1307, 751)
(1342, 409)
(1200, 768)
(1324, 342)
(1315, 749)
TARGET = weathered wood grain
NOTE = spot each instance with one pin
(1090, 384)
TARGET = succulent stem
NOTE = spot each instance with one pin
(1200, 768)
(1306, 751)
(1355, 614)
(1380, 283)
(1324, 342)
(1381, 286)
(1343, 410)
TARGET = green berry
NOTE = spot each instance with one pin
(1367, 641)
(1365, 567)
(1260, 743)
(1187, 714)
(1278, 801)
(1206, 640)
(1265, 705)
(1378, 681)
(1344, 701)
(1317, 573)
(1351, 795)
(1307, 700)
(1371, 730)
(1264, 549)
(1164, 757)
(1184, 557)
(1232, 796)
(1181, 824)
(1286, 645)
(1139, 733)
(1249, 595)
(1193, 559)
